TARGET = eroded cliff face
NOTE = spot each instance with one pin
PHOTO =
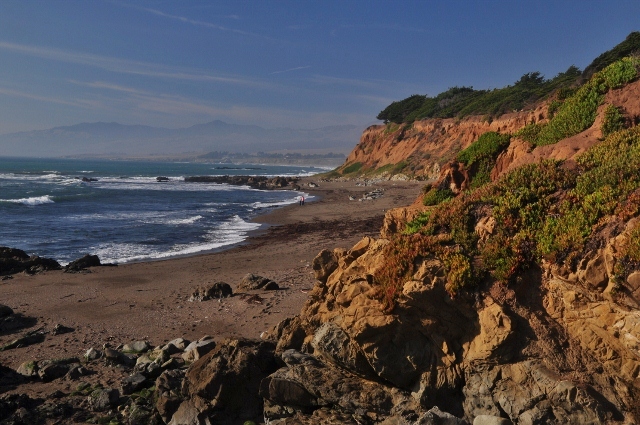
(426, 145)
(557, 347)
(421, 149)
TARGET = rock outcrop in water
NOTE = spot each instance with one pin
(255, 182)
(15, 261)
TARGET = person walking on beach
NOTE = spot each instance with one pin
(301, 200)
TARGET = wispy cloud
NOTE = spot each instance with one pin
(290, 69)
(196, 22)
(31, 96)
(179, 108)
(125, 66)
(108, 86)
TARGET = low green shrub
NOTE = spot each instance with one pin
(578, 112)
(417, 224)
(436, 196)
(352, 168)
(613, 120)
(480, 157)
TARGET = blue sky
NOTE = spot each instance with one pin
(301, 64)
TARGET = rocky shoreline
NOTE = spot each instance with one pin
(66, 338)
(313, 342)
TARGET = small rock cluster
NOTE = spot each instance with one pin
(149, 389)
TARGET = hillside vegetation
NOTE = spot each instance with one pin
(542, 211)
(528, 90)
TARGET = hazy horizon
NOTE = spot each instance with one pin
(284, 64)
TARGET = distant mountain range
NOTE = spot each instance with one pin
(118, 140)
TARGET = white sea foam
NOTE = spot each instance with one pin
(228, 233)
(258, 205)
(178, 221)
(150, 183)
(36, 200)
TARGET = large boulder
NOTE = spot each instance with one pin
(324, 264)
(83, 263)
(307, 385)
(252, 282)
(197, 349)
(5, 311)
(223, 385)
(211, 292)
(529, 393)
(169, 393)
(15, 261)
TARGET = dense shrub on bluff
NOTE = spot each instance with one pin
(529, 89)
(542, 211)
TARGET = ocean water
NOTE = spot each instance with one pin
(126, 215)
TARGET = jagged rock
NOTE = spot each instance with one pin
(331, 343)
(188, 414)
(306, 385)
(92, 354)
(28, 338)
(75, 372)
(454, 176)
(176, 344)
(169, 394)
(133, 383)
(48, 370)
(430, 342)
(5, 311)
(116, 357)
(14, 261)
(216, 291)
(18, 408)
(253, 282)
(490, 420)
(139, 415)
(485, 227)
(197, 349)
(496, 327)
(29, 369)
(59, 329)
(83, 263)
(324, 264)
(215, 378)
(102, 399)
(136, 347)
(435, 416)
(292, 357)
(595, 273)
(528, 392)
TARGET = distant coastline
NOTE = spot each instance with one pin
(323, 160)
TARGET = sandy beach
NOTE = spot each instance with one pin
(150, 301)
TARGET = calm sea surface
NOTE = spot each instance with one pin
(125, 214)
